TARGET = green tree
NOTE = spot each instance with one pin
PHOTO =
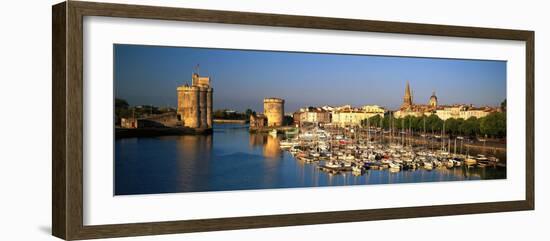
(422, 122)
(220, 114)
(407, 121)
(122, 110)
(386, 122)
(416, 123)
(121, 104)
(288, 120)
(470, 127)
(248, 113)
(493, 125)
(398, 123)
(459, 124)
(433, 123)
(452, 126)
(375, 121)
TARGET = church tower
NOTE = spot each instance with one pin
(407, 99)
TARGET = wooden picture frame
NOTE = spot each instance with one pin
(67, 124)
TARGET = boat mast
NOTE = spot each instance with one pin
(381, 129)
(368, 131)
(391, 128)
(455, 147)
(442, 135)
(410, 133)
(424, 120)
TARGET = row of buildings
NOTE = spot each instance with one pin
(350, 116)
(341, 116)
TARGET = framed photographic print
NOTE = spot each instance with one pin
(171, 120)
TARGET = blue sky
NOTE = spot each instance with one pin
(242, 78)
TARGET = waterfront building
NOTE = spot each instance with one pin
(343, 107)
(327, 108)
(373, 109)
(315, 115)
(274, 110)
(418, 112)
(195, 103)
(349, 116)
(258, 121)
(464, 112)
(128, 123)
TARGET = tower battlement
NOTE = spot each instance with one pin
(273, 100)
(188, 88)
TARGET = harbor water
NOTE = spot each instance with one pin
(233, 159)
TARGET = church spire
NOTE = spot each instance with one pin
(407, 99)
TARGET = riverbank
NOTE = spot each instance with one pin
(152, 132)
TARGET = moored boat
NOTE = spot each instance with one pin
(470, 162)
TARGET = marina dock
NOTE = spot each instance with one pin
(338, 150)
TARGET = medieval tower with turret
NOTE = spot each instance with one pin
(195, 103)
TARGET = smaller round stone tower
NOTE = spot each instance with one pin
(433, 100)
(274, 110)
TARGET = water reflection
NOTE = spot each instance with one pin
(272, 149)
(193, 154)
(256, 140)
(233, 159)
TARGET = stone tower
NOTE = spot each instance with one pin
(195, 103)
(433, 100)
(407, 99)
(188, 106)
(274, 110)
